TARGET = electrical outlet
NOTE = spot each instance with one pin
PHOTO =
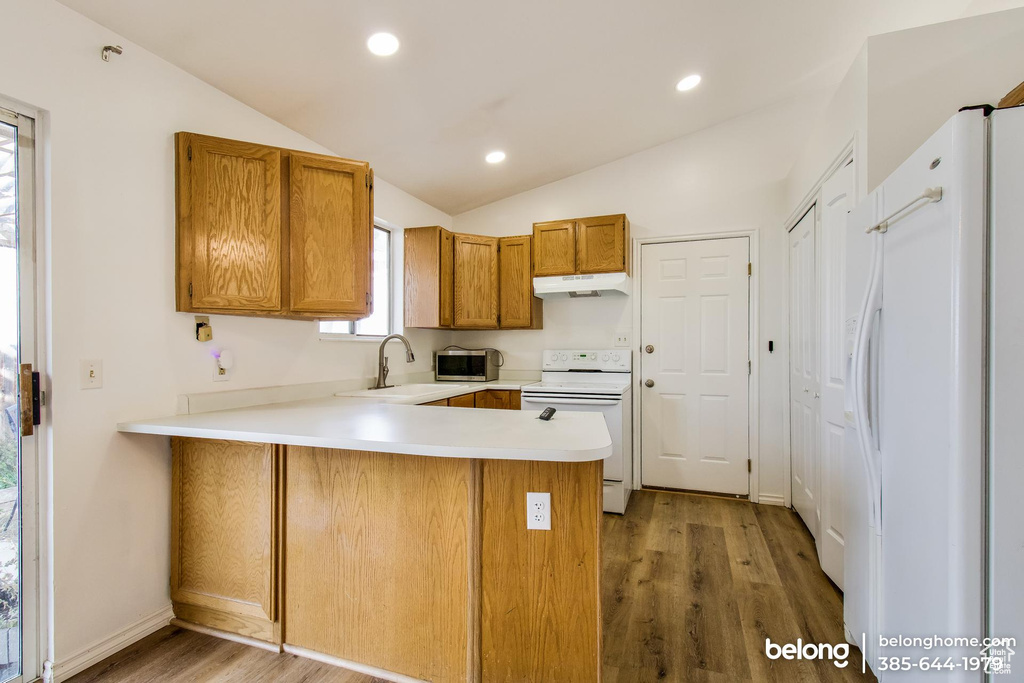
(622, 340)
(538, 511)
(91, 374)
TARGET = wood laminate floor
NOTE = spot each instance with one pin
(692, 587)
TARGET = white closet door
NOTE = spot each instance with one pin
(804, 410)
(836, 203)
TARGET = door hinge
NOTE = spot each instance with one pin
(190, 152)
(750, 467)
(499, 320)
(190, 290)
(369, 298)
(750, 269)
(749, 366)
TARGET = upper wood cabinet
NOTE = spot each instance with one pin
(476, 282)
(265, 231)
(554, 248)
(331, 228)
(599, 244)
(518, 308)
(229, 225)
(429, 269)
(469, 281)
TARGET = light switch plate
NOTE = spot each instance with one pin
(622, 340)
(538, 511)
(91, 374)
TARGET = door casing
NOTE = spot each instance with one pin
(753, 396)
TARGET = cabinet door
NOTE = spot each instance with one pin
(496, 399)
(224, 535)
(428, 277)
(229, 225)
(554, 248)
(463, 401)
(476, 281)
(601, 244)
(331, 225)
(517, 303)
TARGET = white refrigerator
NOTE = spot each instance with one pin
(935, 417)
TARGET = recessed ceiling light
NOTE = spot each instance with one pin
(688, 83)
(495, 157)
(382, 44)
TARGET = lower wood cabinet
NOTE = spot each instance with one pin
(464, 401)
(498, 399)
(415, 565)
(224, 531)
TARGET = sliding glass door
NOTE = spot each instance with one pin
(19, 403)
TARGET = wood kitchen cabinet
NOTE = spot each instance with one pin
(554, 248)
(475, 263)
(266, 231)
(495, 399)
(598, 244)
(463, 401)
(429, 272)
(224, 536)
(518, 308)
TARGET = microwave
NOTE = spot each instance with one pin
(466, 365)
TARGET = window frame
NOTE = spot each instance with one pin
(394, 321)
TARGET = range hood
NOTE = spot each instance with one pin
(599, 284)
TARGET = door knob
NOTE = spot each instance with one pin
(649, 383)
(649, 349)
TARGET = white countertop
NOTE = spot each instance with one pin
(370, 425)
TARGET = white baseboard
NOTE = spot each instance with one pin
(770, 499)
(101, 649)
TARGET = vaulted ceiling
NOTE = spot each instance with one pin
(560, 85)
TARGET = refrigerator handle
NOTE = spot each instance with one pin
(870, 307)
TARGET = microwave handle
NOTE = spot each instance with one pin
(571, 401)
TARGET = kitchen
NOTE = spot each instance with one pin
(709, 166)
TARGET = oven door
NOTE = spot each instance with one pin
(609, 406)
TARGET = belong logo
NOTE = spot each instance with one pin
(839, 654)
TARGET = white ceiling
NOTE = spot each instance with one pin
(560, 85)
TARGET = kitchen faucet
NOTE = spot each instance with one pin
(382, 361)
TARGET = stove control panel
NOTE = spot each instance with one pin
(601, 360)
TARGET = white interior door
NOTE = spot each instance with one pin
(804, 409)
(836, 203)
(695, 299)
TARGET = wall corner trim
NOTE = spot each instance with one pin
(103, 648)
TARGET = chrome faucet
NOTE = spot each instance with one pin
(382, 361)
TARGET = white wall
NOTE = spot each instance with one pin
(919, 78)
(111, 160)
(725, 178)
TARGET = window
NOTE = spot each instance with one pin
(379, 322)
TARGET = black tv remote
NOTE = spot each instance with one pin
(546, 415)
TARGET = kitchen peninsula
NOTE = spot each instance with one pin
(391, 539)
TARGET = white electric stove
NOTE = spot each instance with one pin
(594, 381)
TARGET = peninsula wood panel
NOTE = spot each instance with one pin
(601, 244)
(541, 589)
(330, 223)
(476, 282)
(518, 307)
(463, 401)
(229, 207)
(224, 526)
(380, 557)
(554, 248)
(428, 287)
